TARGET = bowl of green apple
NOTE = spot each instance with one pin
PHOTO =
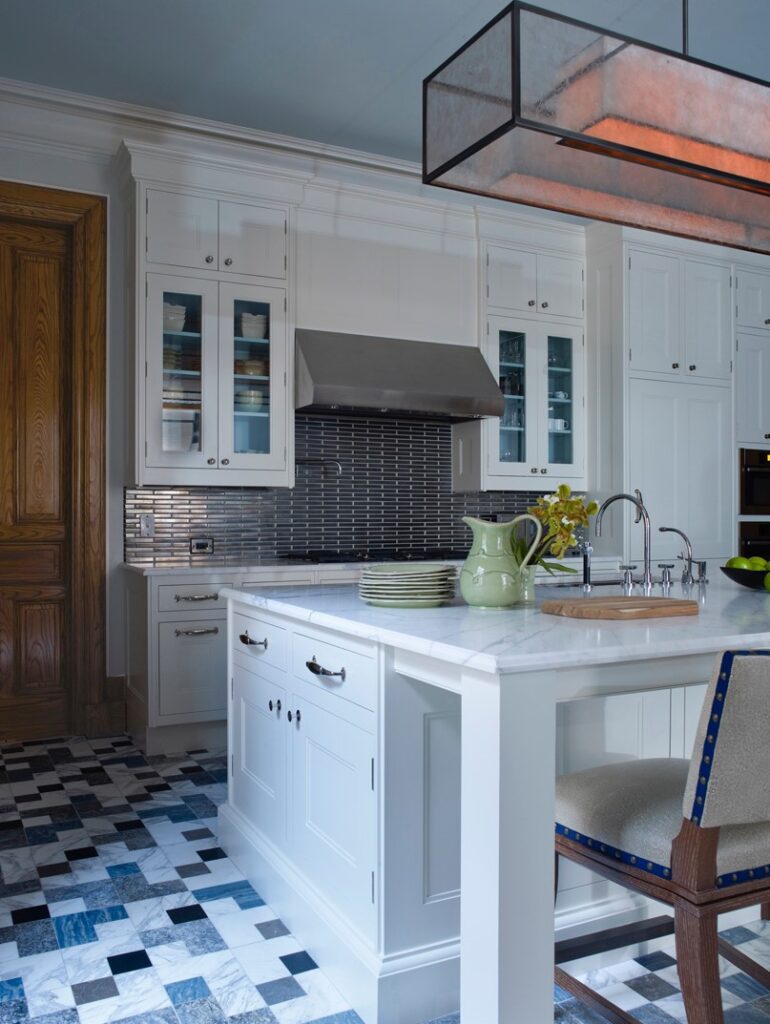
(751, 572)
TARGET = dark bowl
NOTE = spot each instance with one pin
(753, 578)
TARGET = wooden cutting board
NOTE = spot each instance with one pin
(620, 607)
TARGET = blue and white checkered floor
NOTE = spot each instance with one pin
(117, 905)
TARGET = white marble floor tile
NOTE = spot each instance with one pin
(233, 989)
(146, 915)
(45, 983)
(240, 928)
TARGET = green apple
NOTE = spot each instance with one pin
(738, 562)
(757, 564)
(767, 581)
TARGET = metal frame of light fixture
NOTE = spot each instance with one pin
(721, 178)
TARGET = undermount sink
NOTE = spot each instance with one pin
(579, 583)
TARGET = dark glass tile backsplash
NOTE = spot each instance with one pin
(394, 492)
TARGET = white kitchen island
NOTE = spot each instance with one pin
(360, 866)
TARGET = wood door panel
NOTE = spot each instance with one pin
(30, 563)
(40, 628)
(35, 237)
(40, 341)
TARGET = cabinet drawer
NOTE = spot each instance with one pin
(191, 597)
(273, 652)
(192, 668)
(359, 683)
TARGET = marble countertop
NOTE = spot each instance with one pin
(524, 638)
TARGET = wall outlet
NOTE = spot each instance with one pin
(201, 545)
(147, 525)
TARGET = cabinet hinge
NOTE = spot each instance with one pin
(629, 355)
(731, 366)
(284, 303)
(146, 243)
(146, 203)
(284, 378)
(285, 264)
(146, 288)
(372, 774)
(487, 326)
(583, 304)
(232, 764)
(487, 289)
(487, 259)
(731, 280)
(629, 262)
(232, 688)
(372, 887)
(145, 369)
(736, 344)
(285, 226)
(145, 450)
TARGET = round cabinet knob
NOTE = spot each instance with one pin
(544, 305)
(543, 470)
(767, 437)
(675, 366)
(767, 321)
(534, 469)
(228, 262)
(209, 259)
(693, 366)
(225, 462)
(211, 462)
(531, 302)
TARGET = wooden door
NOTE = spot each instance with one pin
(52, 673)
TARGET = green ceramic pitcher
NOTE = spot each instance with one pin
(491, 576)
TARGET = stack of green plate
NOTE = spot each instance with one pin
(410, 585)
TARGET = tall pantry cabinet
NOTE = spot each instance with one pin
(660, 392)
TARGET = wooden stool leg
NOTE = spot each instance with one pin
(765, 908)
(698, 966)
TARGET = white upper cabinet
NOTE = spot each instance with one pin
(707, 319)
(187, 230)
(252, 240)
(654, 312)
(752, 389)
(679, 315)
(181, 229)
(753, 299)
(534, 282)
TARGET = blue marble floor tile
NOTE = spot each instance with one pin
(73, 930)
(262, 1016)
(744, 987)
(61, 1017)
(117, 870)
(220, 892)
(188, 991)
(280, 990)
(652, 1014)
(13, 1011)
(164, 1016)
(202, 1011)
(351, 1017)
(12, 988)
(735, 936)
(746, 1014)
(35, 937)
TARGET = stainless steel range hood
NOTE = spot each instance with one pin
(358, 373)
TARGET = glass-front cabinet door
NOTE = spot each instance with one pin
(539, 369)
(252, 376)
(181, 372)
(564, 402)
(513, 437)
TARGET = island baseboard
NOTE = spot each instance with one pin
(424, 982)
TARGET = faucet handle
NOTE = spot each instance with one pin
(628, 578)
(702, 565)
(666, 567)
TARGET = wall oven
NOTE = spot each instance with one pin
(755, 540)
(755, 482)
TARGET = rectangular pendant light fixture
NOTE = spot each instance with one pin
(544, 110)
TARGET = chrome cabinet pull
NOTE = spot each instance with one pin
(531, 302)
(225, 462)
(543, 470)
(211, 462)
(544, 305)
(298, 713)
(675, 366)
(196, 597)
(533, 469)
(693, 366)
(319, 670)
(767, 321)
(246, 639)
(209, 259)
(197, 632)
(277, 705)
(767, 437)
(228, 262)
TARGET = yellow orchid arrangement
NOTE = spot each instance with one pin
(560, 514)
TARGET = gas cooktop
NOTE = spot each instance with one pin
(377, 555)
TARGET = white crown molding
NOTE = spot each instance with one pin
(128, 114)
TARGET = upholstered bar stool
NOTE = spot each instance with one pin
(693, 834)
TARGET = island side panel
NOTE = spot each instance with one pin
(508, 778)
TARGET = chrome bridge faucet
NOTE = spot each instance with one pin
(642, 516)
(686, 557)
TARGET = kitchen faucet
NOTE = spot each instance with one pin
(642, 515)
(687, 558)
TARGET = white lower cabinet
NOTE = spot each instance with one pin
(259, 750)
(191, 654)
(333, 824)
